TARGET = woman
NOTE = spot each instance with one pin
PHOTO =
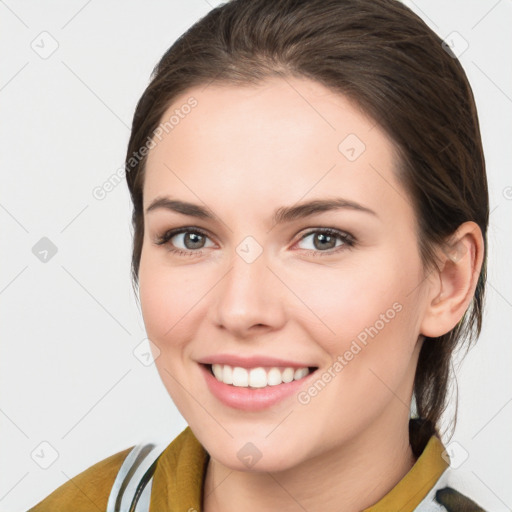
(310, 212)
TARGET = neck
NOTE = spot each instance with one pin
(349, 478)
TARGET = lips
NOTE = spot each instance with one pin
(252, 399)
(253, 383)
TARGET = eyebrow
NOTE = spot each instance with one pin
(281, 215)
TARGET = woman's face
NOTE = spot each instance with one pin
(248, 292)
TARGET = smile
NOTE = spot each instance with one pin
(259, 377)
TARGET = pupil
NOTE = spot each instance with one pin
(195, 242)
(323, 237)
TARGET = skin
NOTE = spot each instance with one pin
(243, 152)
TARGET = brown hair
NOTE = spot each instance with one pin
(389, 62)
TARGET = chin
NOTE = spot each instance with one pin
(256, 461)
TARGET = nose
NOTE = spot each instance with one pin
(249, 298)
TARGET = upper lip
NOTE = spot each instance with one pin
(251, 361)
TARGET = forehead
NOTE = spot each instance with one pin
(277, 141)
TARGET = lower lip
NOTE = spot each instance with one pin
(251, 399)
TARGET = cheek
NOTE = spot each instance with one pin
(369, 318)
(174, 302)
(170, 308)
(167, 298)
(374, 321)
(342, 303)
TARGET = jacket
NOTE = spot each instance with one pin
(178, 478)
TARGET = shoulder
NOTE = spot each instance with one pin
(179, 468)
(179, 476)
(86, 491)
(453, 492)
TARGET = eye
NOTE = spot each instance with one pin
(323, 240)
(192, 240)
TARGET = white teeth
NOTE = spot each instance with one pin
(256, 377)
(288, 375)
(274, 377)
(240, 377)
(217, 371)
(227, 374)
(300, 373)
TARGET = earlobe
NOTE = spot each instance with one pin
(460, 262)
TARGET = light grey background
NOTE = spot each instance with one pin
(70, 325)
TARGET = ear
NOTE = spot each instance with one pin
(453, 283)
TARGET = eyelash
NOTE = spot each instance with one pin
(348, 240)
